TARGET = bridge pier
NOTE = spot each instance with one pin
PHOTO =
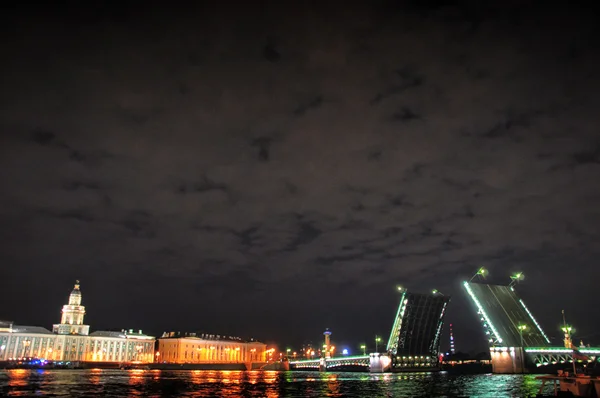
(507, 360)
(379, 363)
(322, 365)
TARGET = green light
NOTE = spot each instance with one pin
(518, 276)
(522, 327)
(395, 333)
(480, 308)
(534, 321)
(482, 271)
(434, 291)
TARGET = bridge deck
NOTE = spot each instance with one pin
(360, 360)
(502, 311)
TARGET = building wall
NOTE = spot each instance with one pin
(31, 345)
(114, 349)
(197, 350)
(75, 348)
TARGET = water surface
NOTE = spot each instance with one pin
(203, 383)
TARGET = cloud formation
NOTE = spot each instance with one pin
(277, 171)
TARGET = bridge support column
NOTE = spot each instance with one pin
(379, 363)
(323, 365)
(507, 360)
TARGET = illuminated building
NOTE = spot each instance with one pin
(71, 321)
(123, 346)
(70, 340)
(207, 348)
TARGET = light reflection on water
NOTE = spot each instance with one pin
(271, 384)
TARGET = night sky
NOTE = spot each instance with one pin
(272, 169)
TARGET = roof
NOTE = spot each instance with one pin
(120, 335)
(206, 336)
(30, 329)
(106, 333)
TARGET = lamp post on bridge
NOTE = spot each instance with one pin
(377, 340)
(364, 348)
(568, 339)
(516, 278)
(522, 328)
(481, 272)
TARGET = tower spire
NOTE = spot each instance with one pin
(452, 350)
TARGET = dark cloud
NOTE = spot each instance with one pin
(245, 162)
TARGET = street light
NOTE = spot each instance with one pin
(516, 278)
(287, 351)
(364, 348)
(377, 340)
(435, 291)
(522, 328)
(481, 272)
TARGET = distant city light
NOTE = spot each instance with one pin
(345, 351)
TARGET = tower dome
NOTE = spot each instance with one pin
(75, 297)
(71, 321)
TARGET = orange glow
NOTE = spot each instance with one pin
(136, 376)
(17, 377)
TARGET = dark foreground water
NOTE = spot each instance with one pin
(202, 383)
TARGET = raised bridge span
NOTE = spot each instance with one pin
(516, 340)
(413, 344)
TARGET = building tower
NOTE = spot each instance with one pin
(327, 346)
(452, 351)
(71, 321)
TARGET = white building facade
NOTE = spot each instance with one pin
(71, 341)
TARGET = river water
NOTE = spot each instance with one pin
(203, 383)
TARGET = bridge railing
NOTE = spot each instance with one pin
(334, 359)
(561, 350)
